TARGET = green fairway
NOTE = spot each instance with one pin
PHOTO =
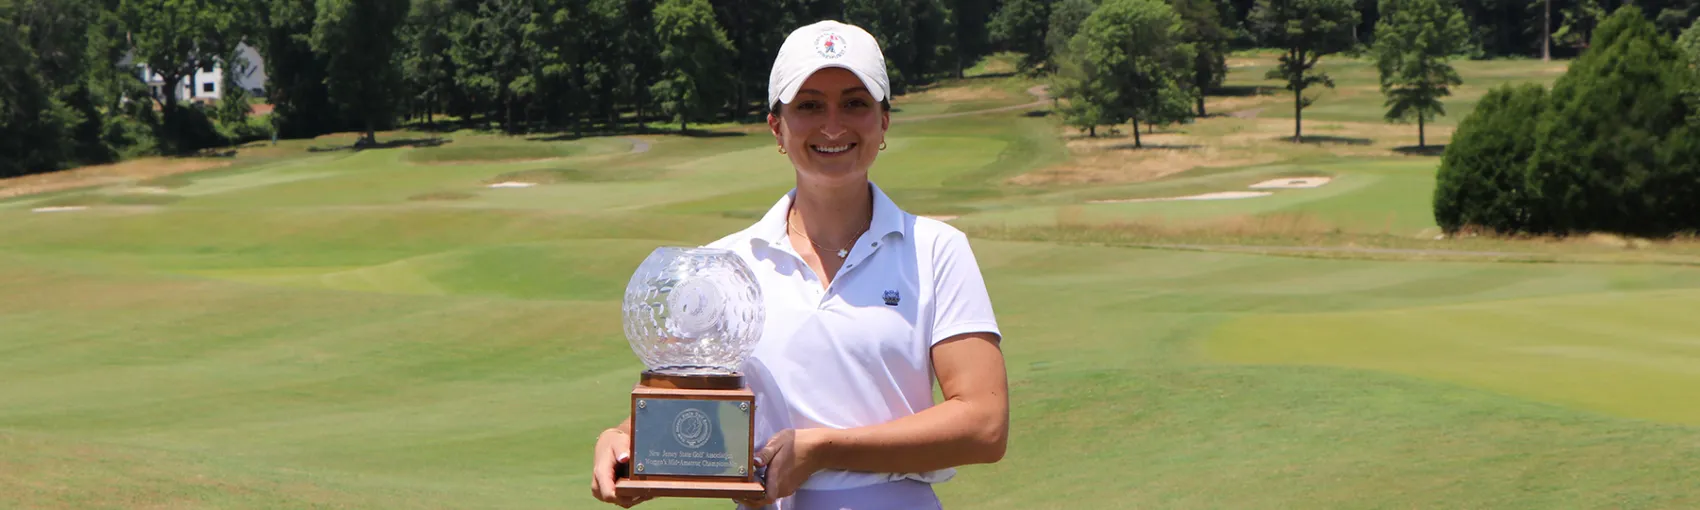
(312, 326)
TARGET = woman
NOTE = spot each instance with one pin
(866, 305)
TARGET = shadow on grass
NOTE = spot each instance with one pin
(1154, 146)
(1328, 140)
(1037, 113)
(1427, 150)
(1243, 91)
(695, 133)
(391, 144)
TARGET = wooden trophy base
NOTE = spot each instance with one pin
(691, 438)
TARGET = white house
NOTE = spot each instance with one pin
(207, 86)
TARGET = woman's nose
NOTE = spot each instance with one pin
(833, 128)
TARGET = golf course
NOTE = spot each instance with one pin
(1222, 318)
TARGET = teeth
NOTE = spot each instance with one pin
(833, 149)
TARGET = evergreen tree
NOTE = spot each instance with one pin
(1616, 152)
(1483, 178)
(1414, 40)
(1305, 31)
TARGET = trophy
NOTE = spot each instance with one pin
(692, 315)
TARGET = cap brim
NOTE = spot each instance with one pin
(787, 94)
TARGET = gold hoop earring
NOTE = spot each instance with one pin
(782, 150)
(882, 145)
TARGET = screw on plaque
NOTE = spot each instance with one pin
(640, 404)
(640, 467)
(744, 406)
(743, 470)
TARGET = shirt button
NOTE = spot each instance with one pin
(874, 245)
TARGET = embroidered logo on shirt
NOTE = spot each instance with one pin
(891, 298)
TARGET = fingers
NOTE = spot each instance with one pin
(764, 457)
(611, 451)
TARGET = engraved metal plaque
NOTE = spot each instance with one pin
(691, 437)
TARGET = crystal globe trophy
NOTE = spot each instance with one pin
(692, 315)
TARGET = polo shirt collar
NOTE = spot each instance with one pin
(887, 220)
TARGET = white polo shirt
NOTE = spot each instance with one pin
(858, 353)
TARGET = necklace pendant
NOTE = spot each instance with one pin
(842, 253)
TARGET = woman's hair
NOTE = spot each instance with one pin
(885, 104)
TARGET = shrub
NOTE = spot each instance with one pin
(1483, 177)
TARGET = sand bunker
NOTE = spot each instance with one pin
(1292, 183)
(1220, 195)
(59, 209)
(512, 184)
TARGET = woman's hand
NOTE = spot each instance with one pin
(613, 448)
(790, 457)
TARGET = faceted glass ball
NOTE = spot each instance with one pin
(693, 311)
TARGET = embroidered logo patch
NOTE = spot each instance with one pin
(830, 45)
(891, 298)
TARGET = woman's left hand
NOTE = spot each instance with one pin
(790, 457)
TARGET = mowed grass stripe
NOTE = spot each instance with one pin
(1632, 354)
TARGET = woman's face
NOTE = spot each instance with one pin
(833, 128)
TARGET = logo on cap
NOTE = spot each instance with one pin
(830, 45)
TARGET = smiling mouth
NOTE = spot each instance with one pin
(832, 149)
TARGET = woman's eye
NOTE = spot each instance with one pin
(809, 106)
(857, 103)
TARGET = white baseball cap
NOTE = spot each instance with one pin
(822, 45)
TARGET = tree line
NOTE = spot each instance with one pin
(1613, 146)
(71, 93)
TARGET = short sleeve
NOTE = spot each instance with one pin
(960, 301)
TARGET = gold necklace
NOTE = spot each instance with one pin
(842, 252)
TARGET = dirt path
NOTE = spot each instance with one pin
(1037, 92)
(638, 146)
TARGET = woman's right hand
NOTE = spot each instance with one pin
(613, 448)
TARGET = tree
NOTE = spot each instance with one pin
(1618, 151)
(296, 75)
(1689, 44)
(1483, 178)
(1203, 28)
(427, 70)
(1020, 25)
(970, 17)
(694, 53)
(1066, 17)
(1414, 39)
(1083, 94)
(1580, 18)
(359, 39)
(1305, 31)
(1135, 61)
(175, 38)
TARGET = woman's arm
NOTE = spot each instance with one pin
(971, 426)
